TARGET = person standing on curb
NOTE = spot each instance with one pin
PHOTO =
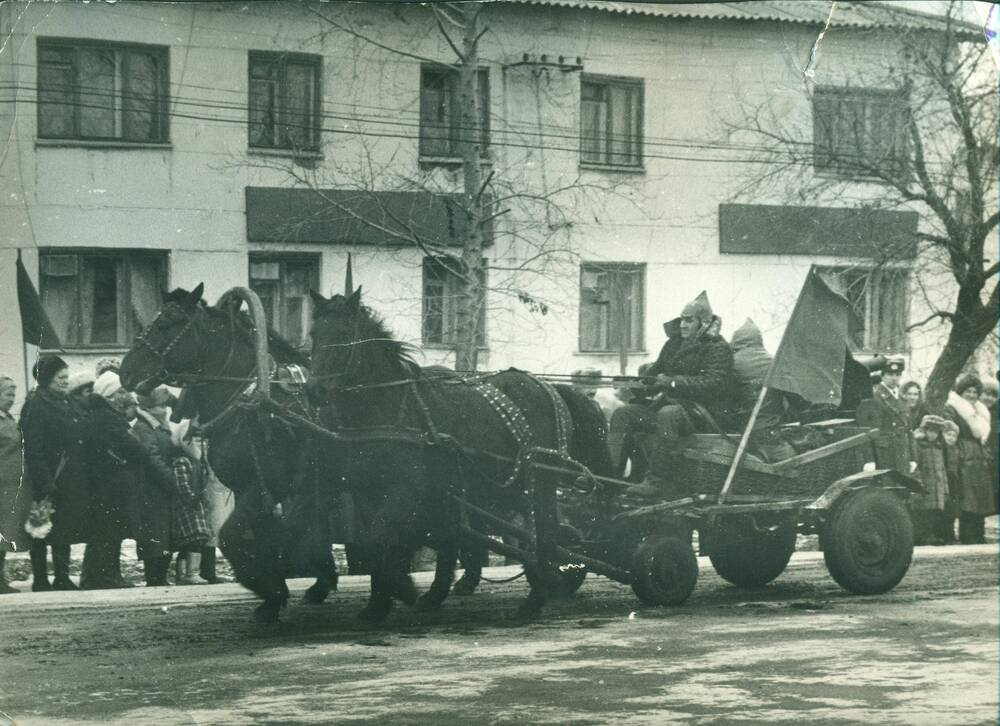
(14, 496)
(54, 430)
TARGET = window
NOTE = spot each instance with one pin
(284, 101)
(440, 114)
(612, 301)
(282, 283)
(854, 130)
(880, 301)
(102, 91)
(441, 290)
(611, 121)
(98, 298)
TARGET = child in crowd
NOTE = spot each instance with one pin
(949, 434)
(930, 515)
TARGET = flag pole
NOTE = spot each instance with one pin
(742, 448)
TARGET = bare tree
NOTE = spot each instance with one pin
(531, 218)
(930, 146)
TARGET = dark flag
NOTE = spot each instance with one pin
(35, 326)
(810, 358)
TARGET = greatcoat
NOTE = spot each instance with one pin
(15, 494)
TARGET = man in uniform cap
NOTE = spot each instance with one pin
(887, 411)
(695, 365)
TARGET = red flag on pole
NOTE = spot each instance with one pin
(35, 326)
(810, 357)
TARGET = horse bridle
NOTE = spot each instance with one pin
(141, 341)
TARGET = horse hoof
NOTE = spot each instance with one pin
(316, 594)
(464, 588)
(266, 613)
(427, 603)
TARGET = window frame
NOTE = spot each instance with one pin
(126, 256)
(833, 169)
(161, 53)
(608, 81)
(902, 278)
(637, 268)
(283, 59)
(314, 260)
(448, 316)
(454, 157)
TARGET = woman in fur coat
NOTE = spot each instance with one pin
(977, 497)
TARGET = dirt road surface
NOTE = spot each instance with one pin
(799, 650)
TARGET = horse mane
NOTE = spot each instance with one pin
(281, 349)
(399, 351)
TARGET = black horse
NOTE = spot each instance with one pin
(416, 438)
(280, 521)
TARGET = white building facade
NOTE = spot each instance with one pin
(152, 146)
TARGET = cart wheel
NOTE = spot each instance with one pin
(558, 582)
(664, 571)
(748, 557)
(868, 541)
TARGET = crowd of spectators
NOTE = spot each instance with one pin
(89, 462)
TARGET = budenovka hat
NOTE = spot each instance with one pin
(46, 369)
(698, 308)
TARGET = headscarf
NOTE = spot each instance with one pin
(107, 364)
(107, 384)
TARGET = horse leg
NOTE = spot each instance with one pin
(249, 542)
(473, 556)
(321, 559)
(444, 573)
(380, 599)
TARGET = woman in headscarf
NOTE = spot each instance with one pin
(54, 430)
(115, 459)
(14, 499)
(191, 530)
(977, 489)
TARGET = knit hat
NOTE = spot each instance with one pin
(81, 379)
(46, 368)
(107, 384)
(950, 426)
(698, 308)
(966, 381)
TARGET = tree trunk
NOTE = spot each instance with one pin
(470, 298)
(970, 326)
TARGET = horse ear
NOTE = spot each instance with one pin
(196, 294)
(354, 301)
(317, 298)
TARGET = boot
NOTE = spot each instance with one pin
(60, 569)
(39, 566)
(5, 588)
(208, 567)
(661, 453)
(155, 570)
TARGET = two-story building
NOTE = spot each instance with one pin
(151, 146)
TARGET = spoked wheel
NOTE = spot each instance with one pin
(868, 542)
(664, 571)
(748, 555)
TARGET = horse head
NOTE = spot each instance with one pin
(352, 346)
(171, 344)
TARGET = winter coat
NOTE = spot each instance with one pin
(15, 496)
(893, 443)
(156, 502)
(55, 431)
(978, 489)
(190, 520)
(751, 363)
(933, 474)
(116, 462)
(700, 369)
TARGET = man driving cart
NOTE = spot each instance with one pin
(694, 370)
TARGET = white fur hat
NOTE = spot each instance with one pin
(107, 384)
